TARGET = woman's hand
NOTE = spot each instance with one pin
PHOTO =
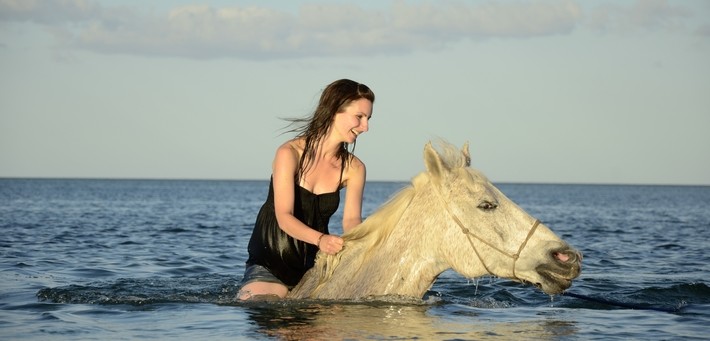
(330, 244)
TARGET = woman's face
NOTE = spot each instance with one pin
(353, 121)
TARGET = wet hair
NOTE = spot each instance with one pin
(334, 99)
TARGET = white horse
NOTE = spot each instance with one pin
(451, 217)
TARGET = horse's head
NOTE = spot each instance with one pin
(495, 235)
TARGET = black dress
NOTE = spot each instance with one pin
(287, 258)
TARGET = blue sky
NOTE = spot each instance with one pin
(544, 91)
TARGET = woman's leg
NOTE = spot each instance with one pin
(261, 290)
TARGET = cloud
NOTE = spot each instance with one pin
(488, 20)
(316, 29)
(642, 15)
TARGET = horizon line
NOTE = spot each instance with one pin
(372, 180)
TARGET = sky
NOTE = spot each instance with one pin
(592, 92)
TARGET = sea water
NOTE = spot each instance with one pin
(162, 259)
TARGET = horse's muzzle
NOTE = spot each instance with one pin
(565, 265)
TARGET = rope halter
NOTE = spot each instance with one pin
(470, 235)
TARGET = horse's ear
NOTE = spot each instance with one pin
(466, 154)
(433, 162)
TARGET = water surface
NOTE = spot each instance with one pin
(152, 259)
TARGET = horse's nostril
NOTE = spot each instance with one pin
(568, 256)
(562, 257)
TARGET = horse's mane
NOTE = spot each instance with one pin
(372, 232)
(367, 236)
(384, 220)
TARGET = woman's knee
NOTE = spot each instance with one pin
(262, 291)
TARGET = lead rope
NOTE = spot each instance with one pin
(470, 234)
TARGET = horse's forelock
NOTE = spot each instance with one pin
(451, 156)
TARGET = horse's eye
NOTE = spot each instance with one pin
(487, 206)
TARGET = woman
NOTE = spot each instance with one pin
(308, 173)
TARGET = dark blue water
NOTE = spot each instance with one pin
(125, 259)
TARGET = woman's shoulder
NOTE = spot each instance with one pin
(289, 151)
(292, 146)
(355, 170)
(355, 162)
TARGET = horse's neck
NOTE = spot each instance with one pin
(407, 262)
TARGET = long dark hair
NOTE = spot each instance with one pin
(334, 99)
